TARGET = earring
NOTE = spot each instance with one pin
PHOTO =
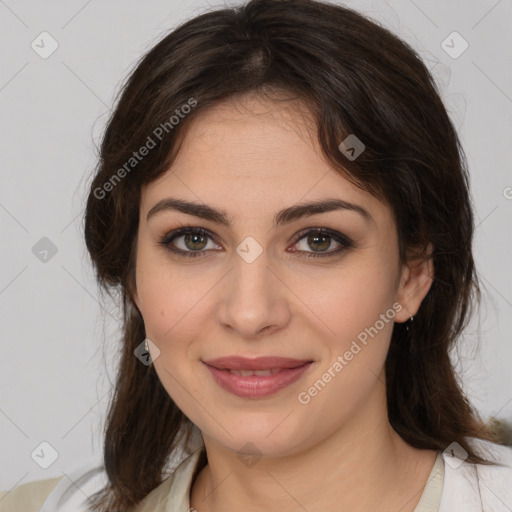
(412, 344)
(409, 323)
(146, 346)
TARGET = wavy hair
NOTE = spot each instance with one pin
(355, 77)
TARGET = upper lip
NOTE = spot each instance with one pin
(258, 363)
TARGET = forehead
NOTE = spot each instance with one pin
(254, 154)
(252, 133)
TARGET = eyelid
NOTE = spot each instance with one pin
(182, 231)
(344, 241)
(336, 235)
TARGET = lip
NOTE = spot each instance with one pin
(256, 386)
(258, 363)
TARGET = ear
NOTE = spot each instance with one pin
(415, 281)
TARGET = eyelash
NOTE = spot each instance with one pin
(346, 243)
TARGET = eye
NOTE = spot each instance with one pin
(320, 240)
(195, 241)
(188, 241)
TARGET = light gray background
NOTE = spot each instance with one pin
(54, 381)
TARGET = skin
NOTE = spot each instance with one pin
(252, 158)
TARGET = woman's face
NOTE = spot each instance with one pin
(246, 287)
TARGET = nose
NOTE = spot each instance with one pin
(253, 299)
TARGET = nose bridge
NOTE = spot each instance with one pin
(254, 301)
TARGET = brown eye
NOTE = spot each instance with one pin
(195, 241)
(189, 241)
(317, 242)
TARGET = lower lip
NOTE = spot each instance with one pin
(257, 386)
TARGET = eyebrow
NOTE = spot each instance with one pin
(284, 216)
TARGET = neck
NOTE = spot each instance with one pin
(356, 468)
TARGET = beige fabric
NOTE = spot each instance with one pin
(430, 500)
(172, 495)
(27, 497)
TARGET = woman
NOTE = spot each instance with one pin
(282, 202)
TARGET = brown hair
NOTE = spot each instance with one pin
(355, 77)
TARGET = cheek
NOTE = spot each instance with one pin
(170, 296)
(360, 316)
(356, 314)
(176, 305)
(170, 305)
(349, 299)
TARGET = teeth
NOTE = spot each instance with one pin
(261, 373)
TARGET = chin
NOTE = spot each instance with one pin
(271, 437)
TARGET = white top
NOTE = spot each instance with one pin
(453, 485)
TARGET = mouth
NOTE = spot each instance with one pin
(248, 373)
(256, 378)
(255, 364)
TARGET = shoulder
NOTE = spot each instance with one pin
(498, 453)
(477, 487)
(71, 492)
(68, 492)
(27, 497)
(495, 480)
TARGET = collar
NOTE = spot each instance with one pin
(478, 487)
(173, 494)
(468, 487)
